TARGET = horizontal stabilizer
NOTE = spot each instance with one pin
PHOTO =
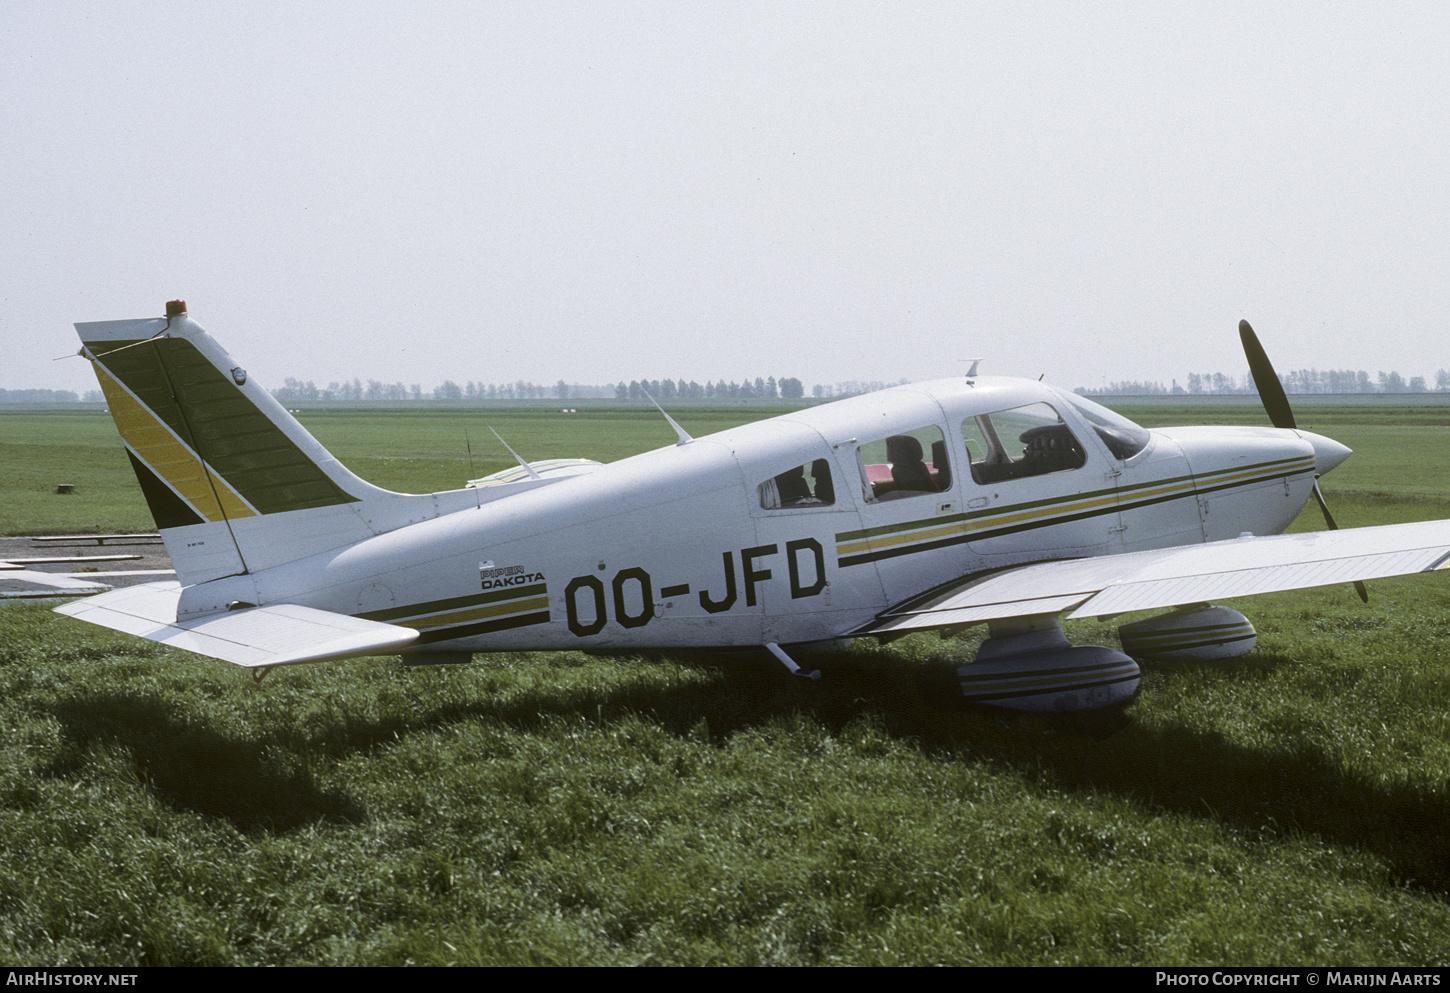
(45, 584)
(256, 637)
(1171, 577)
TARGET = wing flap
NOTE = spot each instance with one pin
(1170, 577)
(276, 634)
(1167, 592)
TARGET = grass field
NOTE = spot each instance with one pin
(1288, 807)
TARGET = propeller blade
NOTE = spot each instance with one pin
(1271, 391)
(1276, 404)
(1329, 519)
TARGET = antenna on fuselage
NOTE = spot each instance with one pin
(684, 436)
(528, 468)
(469, 445)
(971, 370)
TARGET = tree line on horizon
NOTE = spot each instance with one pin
(294, 391)
(666, 389)
(1298, 381)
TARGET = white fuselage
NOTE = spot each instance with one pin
(704, 545)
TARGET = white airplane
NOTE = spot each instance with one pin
(939, 505)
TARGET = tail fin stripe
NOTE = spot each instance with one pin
(264, 470)
(169, 460)
(168, 509)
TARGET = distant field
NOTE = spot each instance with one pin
(1400, 451)
(409, 451)
(555, 808)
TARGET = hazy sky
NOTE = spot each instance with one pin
(602, 191)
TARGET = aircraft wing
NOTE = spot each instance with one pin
(256, 637)
(1171, 577)
(44, 584)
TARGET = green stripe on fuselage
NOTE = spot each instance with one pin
(1124, 493)
(1128, 498)
(418, 610)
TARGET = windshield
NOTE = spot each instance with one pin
(1023, 441)
(1123, 438)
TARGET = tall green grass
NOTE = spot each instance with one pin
(1288, 807)
(563, 809)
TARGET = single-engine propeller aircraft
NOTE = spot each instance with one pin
(937, 505)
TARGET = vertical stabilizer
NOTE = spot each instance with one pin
(234, 482)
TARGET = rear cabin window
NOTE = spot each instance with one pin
(905, 465)
(1023, 441)
(806, 485)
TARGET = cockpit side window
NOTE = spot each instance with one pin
(804, 486)
(1023, 441)
(905, 465)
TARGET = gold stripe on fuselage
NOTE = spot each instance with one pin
(1182, 486)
